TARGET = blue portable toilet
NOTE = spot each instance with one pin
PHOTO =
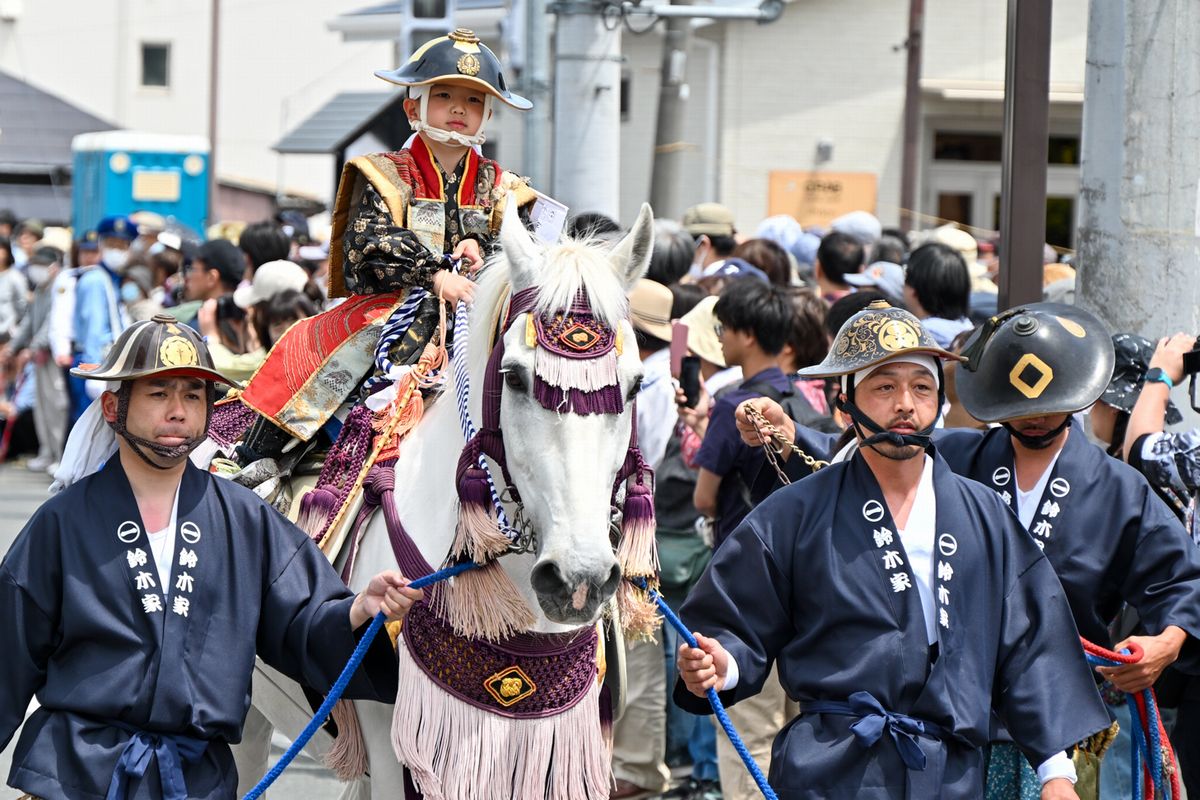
(120, 172)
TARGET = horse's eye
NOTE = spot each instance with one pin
(513, 380)
(634, 389)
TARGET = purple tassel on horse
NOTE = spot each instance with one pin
(478, 535)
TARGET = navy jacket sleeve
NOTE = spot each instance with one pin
(29, 613)
(1044, 691)
(744, 574)
(1162, 576)
(304, 630)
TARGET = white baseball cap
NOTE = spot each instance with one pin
(271, 279)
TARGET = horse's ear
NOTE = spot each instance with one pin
(631, 255)
(517, 244)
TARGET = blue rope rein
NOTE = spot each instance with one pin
(1147, 744)
(339, 686)
(713, 700)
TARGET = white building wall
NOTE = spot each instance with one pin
(278, 64)
(825, 70)
(762, 96)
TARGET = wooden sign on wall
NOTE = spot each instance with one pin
(817, 198)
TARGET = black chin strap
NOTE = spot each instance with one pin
(922, 438)
(136, 443)
(1038, 442)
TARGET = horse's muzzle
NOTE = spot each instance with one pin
(574, 598)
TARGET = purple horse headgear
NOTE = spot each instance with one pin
(575, 371)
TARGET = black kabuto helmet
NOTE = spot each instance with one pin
(1035, 360)
(458, 57)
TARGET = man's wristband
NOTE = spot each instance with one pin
(1157, 375)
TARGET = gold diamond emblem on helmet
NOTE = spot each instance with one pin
(176, 351)
(896, 334)
(1030, 363)
(468, 64)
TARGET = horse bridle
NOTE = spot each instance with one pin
(489, 439)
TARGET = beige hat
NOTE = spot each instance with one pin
(650, 308)
(708, 219)
(272, 278)
(702, 331)
(958, 239)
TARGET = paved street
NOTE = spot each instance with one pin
(20, 494)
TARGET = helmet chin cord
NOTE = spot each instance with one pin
(421, 125)
(1038, 442)
(172, 454)
(879, 434)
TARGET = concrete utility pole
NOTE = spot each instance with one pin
(1139, 231)
(1026, 140)
(214, 55)
(536, 84)
(912, 114)
(670, 141)
(587, 109)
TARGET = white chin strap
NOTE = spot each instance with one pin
(422, 125)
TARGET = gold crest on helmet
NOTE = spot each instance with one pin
(468, 65)
(896, 335)
(176, 351)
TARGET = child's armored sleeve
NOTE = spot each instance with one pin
(381, 256)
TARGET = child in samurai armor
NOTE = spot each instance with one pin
(402, 217)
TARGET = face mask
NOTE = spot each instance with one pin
(37, 274)
(130, 292)
(114, 259)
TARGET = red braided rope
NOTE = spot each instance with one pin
(1170, 763)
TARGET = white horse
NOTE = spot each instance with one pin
(564, 466)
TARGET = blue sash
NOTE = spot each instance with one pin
(172, 752)
(925, 758)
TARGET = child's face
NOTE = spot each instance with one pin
(454, 108)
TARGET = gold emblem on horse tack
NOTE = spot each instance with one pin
(579, 337)
(468, 64)
(176, 351)
(509, 686)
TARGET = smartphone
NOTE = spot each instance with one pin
(679, 346)
(689, 380)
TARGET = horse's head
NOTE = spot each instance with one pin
(568, 375)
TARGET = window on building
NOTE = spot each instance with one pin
(626, 94)
(156, 65)
(429, 9)
(989, 147)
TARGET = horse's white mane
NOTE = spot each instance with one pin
(566, 267)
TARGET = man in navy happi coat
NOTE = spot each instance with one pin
(133, 603)
(901, 603)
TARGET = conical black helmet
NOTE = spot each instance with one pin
(1035, 360)
(458, 57)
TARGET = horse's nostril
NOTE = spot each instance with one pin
(548, 579)
(611, 583)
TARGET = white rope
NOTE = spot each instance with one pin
(462, 391)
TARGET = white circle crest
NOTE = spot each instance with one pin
(947, 545)
(1059, 487)
(189, 532)
(1001, 476)
(128, 532)
(872, 511)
